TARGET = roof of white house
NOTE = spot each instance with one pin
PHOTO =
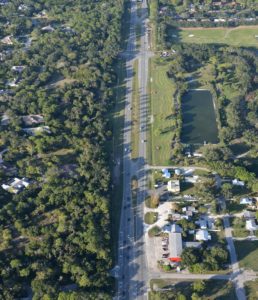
(166, 173)
(15, 185)
(18, 68)
(246, 200)
(175, 244)
(173, 185)
(202, 235)
(250, 224)
(238, 182)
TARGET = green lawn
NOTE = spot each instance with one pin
(251, 288)
(161, 91)
(239, 36)
(247, 253)
(214, 289)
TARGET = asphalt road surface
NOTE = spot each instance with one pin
(133, 272)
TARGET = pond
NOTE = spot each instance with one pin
(199, 120)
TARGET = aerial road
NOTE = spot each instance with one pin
(133, 272)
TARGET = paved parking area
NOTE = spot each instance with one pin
(154, 252)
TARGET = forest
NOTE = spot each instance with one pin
(56, 87)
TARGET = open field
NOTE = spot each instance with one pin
(238, 36)
(214, 289)
(199, 121)
(161, 128)
(247, 253)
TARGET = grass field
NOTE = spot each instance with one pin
(251, 288)
(161, 92)
(238, 36)
(247, 253)
(214, 289)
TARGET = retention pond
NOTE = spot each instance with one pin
(199, 119)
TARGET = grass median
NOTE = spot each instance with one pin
(135, 112)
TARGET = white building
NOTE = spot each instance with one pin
(246, 201)
(16, 185)
(173, 186)
(202, 235)
(175, 245)
(250, 225)
(238, 182)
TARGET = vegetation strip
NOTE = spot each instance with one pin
(135, 112)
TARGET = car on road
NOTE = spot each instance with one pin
(165, 255)
(129, 219)
(143, 141)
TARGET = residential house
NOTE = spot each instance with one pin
(16, 185)
(32, 119)
(35, 130)
(202, 235)
(202, 223)
(48, 28)
(246, 201)
(173, 186)
(18, 69)
(249, 214)
(7, 40)
(238, 182)
(5, 120)
(166, 173)
(251, 225)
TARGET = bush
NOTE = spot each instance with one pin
(154, 231)
(150, 217)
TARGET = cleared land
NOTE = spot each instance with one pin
(162, 124)
(199, 121)
(239, 36)
(247, 253)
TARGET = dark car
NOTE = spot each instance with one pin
(165, 255)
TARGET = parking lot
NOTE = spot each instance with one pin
(154, 252)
